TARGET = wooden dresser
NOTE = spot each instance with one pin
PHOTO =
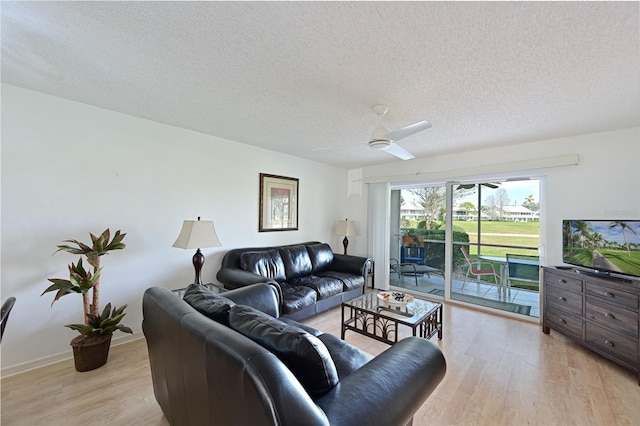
(603, 314)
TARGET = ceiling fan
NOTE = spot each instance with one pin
(385, 140)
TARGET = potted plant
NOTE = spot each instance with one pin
(91, 347)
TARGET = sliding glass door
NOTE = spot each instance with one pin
(474, 242)
(418, 235)
(496, 236)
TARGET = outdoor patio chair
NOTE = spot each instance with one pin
(412, 255)
(522, 267)
(476, 268)
(413, 269)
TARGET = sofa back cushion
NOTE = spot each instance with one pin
(208, 303)
(296, 261)
(321, 256)
(346, 357)
(304, 354)
(267, 263)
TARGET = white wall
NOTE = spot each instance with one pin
(604, 185)
(69, 169)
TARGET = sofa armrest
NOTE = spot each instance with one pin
(265, 297)
(400, 379)
(356, 265)
(235, 277)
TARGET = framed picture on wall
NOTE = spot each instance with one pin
(278, 203)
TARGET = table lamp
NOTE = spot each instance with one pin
(347, 229)
(197, 234)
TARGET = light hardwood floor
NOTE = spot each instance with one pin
(500, 371)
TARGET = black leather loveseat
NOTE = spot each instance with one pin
(229, 361)
(311, 277)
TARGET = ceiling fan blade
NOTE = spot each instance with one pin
(396, 135)
(398, 151)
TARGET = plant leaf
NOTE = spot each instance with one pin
(124, 329)
(119, 311)
(106, 234)
(82, 328)
(106, 312)
(58, 284)
(116, 243)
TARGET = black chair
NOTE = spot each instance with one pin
(6, 310)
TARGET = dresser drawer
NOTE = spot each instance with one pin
(624, 298)
(560, 298)
(619, 347)
(567, 283)
(566, 324)
(609, 315)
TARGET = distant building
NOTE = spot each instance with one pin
(413, 211)
(460, 213)
(519, 214)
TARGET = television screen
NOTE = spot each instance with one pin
(609, 246)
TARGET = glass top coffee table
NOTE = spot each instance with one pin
(370, 316)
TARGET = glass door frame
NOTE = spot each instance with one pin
(449, 213)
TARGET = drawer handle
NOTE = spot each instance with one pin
(610, 316)
(606, 293)
(562, 298)
(561, 281)
(609, 343)
(562, 321)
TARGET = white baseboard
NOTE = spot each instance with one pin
(63, 356)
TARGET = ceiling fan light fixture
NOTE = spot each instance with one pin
(380, 109)
(379, 144)
(379, 133)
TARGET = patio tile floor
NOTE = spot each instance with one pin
(472, 288)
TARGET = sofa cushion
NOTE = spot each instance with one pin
(296, 261)
(325, 287)
(267, 263)
(295, 298)
(307, 328)
(305, 355)
(346, 357)
(208, 303)
(321, 256)
(349, 281)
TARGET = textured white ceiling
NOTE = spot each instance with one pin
(295, 76)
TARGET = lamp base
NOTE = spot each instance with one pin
(198, 261)
(345, 243)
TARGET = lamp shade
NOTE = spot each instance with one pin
(346, 228)
(197, 234)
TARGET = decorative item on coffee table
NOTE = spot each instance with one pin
(91, 347)
(395, 298)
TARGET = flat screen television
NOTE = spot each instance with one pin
(608, 247)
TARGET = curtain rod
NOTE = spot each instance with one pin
(512, 166)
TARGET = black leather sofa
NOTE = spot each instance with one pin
(229, 361)
(311, 277)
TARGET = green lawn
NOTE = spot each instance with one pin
(520, 234)
(530, 228)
